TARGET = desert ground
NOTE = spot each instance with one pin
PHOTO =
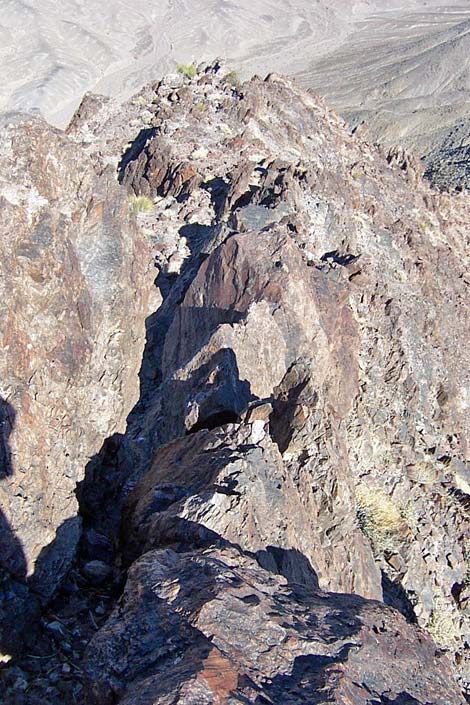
(359, 53)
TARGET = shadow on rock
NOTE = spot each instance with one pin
(288, 562)
(13, 588)
(209, 625)
(21, 595)
(16, 608)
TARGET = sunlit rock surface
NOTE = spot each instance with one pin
(75, 280)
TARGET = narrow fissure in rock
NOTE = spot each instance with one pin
(281, 520)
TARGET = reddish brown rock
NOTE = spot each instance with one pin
(213, 627)
(269, 153)
(75, 277)
(256, 324)
(304, 403)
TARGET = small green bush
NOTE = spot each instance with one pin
(233, 79)
(188, 70)
(140, 204)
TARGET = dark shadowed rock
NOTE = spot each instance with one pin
(234, 483)
(96, 571)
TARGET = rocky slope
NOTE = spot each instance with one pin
(399, 66)
(298, 454)
(404, 73)
(73, 270)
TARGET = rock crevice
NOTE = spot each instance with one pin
(297, 457)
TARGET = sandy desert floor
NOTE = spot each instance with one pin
(406, 75)
(52, 51)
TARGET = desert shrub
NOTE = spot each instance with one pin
(233, 79)
(140, 204)
(188, 70)
(466, 556)
(379, 517)
(442, 625)
(422, 473)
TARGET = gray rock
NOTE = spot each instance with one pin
(73, 271)
(97, 571)
(212, 626)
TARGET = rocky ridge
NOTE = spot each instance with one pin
(298, 453)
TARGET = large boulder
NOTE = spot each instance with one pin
(212, 627)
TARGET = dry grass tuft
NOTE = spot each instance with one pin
(140, 204)
(442, 625)
(422, 473)
(379, 517)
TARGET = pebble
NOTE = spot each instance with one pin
(96, 571)
(56, 628)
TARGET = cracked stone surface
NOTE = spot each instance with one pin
(299, 453)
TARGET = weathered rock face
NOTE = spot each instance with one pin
(234, 483)
(213, 627)
(255, 317)
(303, 269)
(299, 444)
(74, 272)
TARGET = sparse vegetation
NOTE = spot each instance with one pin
(140, 101)
(233, 79)
(379, 517)
(140, 204)
(442, 625)
(422, 473)
(423, 226)
(187, 70)
(466, 555)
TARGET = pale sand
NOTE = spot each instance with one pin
(407, 75)
(52, 51)
(403, 67)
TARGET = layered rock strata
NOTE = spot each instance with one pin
(75, 277)
(306, 381)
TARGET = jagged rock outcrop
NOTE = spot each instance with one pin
(234, 483)
(257, 324)
(314, 301)
(300, 443)
(75, 278)
(213, 627)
